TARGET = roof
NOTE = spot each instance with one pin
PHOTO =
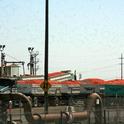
(92, 81)
(115, 82)
(35, 81)
(71, 82)
(12, 65)
(52, 82)
(55, 74)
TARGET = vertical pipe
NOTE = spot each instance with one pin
(46, 56)
(104, 116)
(2, 64)
(121, 66)
(10, 111)
(61, 118)
(2, 59)
(30, 64)
(23, 68)
(98, 114)
(35, 63)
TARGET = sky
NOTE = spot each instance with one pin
(84, 35)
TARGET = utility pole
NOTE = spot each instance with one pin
(46, 55)
(2, 59)
(122, 66)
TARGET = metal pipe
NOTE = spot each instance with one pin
(92, 101)
(37, 119)
(95, 101)
(26, 104)
(66, 116)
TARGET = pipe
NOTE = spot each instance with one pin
(69, 116)
(92, 101)
(26, 103)
(95, 101)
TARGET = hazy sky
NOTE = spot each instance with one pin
(85, 35)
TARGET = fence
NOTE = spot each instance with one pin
(113, 112)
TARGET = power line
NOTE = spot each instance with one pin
(100, 68)
(12, 57)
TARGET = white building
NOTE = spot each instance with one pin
(11, 70)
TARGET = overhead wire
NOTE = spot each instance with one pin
(12, 57)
